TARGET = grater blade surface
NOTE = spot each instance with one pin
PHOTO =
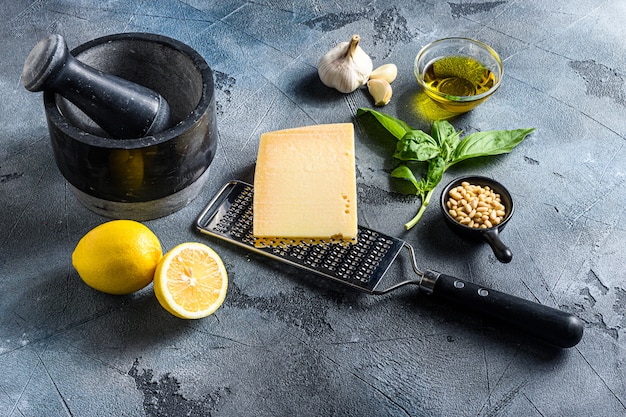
(228, 216)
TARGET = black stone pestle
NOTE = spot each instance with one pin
(122, 109)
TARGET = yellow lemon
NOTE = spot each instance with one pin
(191, 281)
(117, 257)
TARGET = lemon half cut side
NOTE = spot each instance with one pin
(191, 281)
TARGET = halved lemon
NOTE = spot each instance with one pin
(191, 281)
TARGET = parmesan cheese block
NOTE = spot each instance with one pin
(305, 186)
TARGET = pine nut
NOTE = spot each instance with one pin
(455, 195)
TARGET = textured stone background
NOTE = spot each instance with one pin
(285, 343)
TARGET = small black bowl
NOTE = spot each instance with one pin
(492, 234)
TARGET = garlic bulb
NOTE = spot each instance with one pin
(346, 67)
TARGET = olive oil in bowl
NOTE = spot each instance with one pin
(458, 73)
(459, 76)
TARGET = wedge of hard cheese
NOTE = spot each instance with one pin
(305, 186)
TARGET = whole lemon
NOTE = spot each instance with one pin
(117, 257)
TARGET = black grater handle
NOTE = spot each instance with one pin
(549, 324)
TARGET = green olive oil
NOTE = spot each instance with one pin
(458, 76)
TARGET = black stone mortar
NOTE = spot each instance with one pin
(147, 177)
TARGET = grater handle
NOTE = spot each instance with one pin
(554, 326)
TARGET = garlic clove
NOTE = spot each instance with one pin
(387, 72)
(380, 90)
(345, 67)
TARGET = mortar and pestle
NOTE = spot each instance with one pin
(131, 118)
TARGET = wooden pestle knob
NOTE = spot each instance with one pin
(123, 109)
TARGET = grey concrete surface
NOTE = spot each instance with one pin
(285, 343)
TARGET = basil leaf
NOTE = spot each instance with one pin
(403, 172)
(436, 168)
(416, 146)
(494, 142)
(396, 127)
(446, 137)
(441, 130)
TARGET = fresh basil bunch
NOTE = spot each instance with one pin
(441, 149)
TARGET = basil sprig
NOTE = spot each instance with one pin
(441, 149)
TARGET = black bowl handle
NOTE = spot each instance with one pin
(546, 323)
(502, 252)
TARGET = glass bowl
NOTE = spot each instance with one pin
(458, 73)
